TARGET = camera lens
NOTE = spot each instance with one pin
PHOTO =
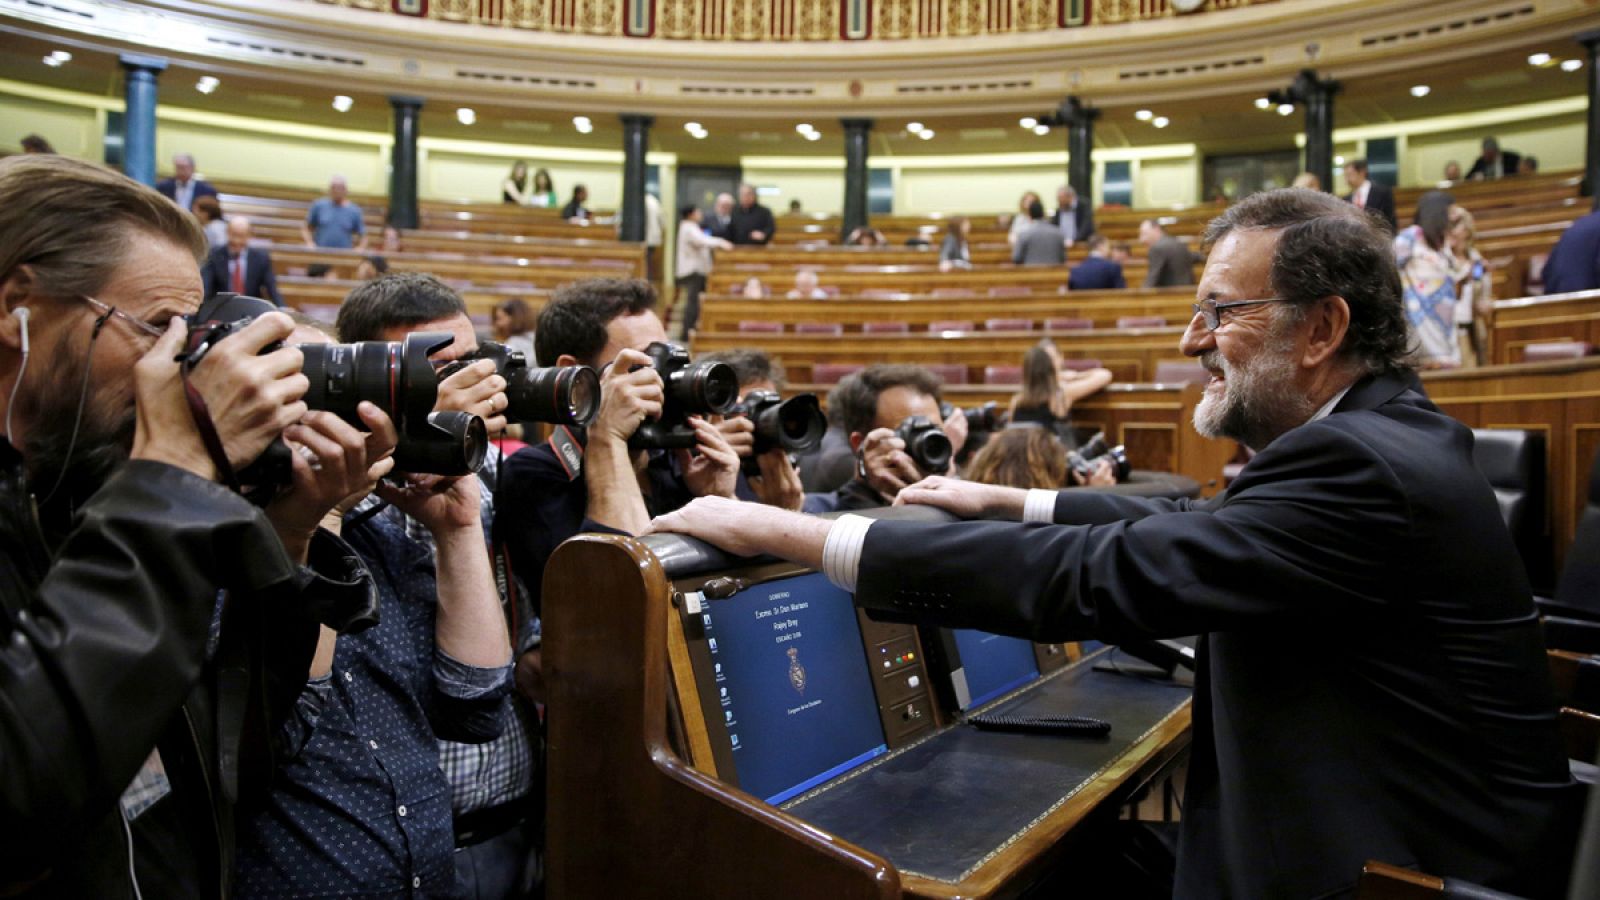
(448, 443)
(795, 424)
(931, 451)
(705, 387)
(397, 378)
(561, 395)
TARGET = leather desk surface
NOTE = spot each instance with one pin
(941, 808)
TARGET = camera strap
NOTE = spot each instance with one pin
(568, 446)
(207, 428)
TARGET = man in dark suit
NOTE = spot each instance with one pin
(183, 188)
(1170, 262)
(1369, 195)
(719, 223)
(1574, 263)
(1370, 681)
(752, 222)
(1494, 162)
(1072, 216)
(239, 267)
(1098, 272)
(1040, 244)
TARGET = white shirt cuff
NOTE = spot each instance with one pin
(841, 552)
(1040, 505)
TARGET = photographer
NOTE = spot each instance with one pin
(363, 805)
(778, 483)
(871, 405)
(112, 593)
(591, 480)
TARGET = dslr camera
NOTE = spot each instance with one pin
(560, 395)
(1083, 459)
(795, 424)
(690, 389)
(926, 443)
(397, 377)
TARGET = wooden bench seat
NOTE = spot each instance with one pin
(723, 313)
(482, 271)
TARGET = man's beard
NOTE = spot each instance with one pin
(69, 457)
(1259, 399)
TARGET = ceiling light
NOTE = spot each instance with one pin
(700, 135)
(926, 134)
(804, 128)
(1338, 160)
(1144, 115)
(1160, 121)
(1027, 121)
(206, 84)
(52, 62)
(1285, 109)
(583, 124)
(1041, 129)
(466, 116)
(1263, 103)
(691, 126)
(343, 103)
(1420, 90)
(813, 136)
(61, 56)
(1571, 65)
(1539, 59)
(914, 127)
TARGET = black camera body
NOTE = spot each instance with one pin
(796, 425)
(1083, 459)
(927, 444)
(397, 377)
(689, 389)
(560, 395)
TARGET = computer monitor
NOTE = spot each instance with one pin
(790, 696)
(988, 666)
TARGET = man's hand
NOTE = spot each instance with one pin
(956, 429)
(441, 504)
(476, 389)
(739, 432)
(778, 484)
(251, 398)
(1102, 475)
(888, 467)
(748, 529)
(713, 469)
(529, 675)
(967, 499)
(758, 235)
(724, 244)
(627, 397)
(332, 464)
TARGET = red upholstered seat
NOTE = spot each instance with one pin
(1141, 322)
(818, 328)
(1176, 372)
(950, 325)
(1002, 374)
(954, 292)
(1010, 290)
(1068, 324)
(949, 373)
(760, 327)
(1008, 324)
(832, 373)
(1548, 350)
(885, 328)
(878, 294)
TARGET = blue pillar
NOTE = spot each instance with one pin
(139, 149)
(403, 162)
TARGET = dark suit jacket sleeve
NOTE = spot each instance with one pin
(1384, 204)
(1272, 556)
(1117, 281)
(1158, 263)
(204, 189)
(1479, 167)
(269, 281)
(1085, 223)
(167, 188)
(1019, 250)
(769, 224)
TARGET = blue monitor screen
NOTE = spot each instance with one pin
(792, 684)
(993, 665)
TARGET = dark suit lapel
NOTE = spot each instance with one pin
(1376, 390)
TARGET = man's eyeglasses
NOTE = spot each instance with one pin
(111, 312)
(1211, 311)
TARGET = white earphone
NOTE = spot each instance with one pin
(22, 314)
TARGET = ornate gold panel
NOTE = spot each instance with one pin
(816, 20)
(747, 19)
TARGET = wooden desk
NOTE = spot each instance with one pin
(1553, 317)
(1104, 308)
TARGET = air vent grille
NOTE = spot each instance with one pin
(570, 84)
(286, 52)
(964, 87)
(739, 90)
(1455, 26)
(1195, 68)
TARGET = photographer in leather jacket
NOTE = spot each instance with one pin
(155, 627)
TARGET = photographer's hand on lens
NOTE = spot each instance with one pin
(888, 468)
(739, 432)
(442, 504)
(967, 499)
(333, 465)
(476, 389)
(251, 398)
(712, 468)
(779, 483)
(627, 397)
(956, 428)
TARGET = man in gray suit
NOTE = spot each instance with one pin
(1042, 243)
(1171, 263)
